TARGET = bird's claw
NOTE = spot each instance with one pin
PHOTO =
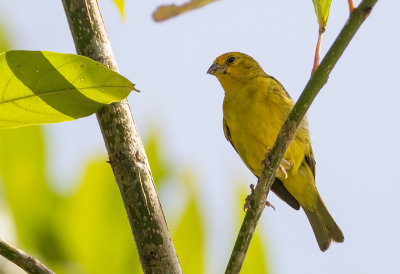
(250, 197)
(281, 168)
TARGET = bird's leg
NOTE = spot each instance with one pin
(250, 197)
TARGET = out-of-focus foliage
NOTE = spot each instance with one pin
(96, 229)
(188, 237)
(165, 12)
(4, 39)
(85, 232)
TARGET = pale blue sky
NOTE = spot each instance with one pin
(354, 120)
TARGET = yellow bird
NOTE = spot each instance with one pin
(255, 108)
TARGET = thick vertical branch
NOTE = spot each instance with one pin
(125, 149)
(288, 130)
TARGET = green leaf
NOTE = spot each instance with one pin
(322, 10)
(38, 87)
(25, 187)
(120, 5)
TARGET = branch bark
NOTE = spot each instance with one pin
(288, 130)
(23, 260)
(126, 152)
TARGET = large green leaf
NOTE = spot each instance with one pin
(39, 87)
(322, 10)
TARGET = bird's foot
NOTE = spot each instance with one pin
(281, 167)
(250, 197)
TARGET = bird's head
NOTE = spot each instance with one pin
(235, 66)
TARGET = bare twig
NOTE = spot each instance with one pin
(23, 260)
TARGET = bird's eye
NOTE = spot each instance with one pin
(230, 60)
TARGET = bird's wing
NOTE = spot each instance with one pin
(227, 133)
(311, 162)
(280, 86)
(277, 187)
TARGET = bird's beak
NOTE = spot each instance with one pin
(216, 69)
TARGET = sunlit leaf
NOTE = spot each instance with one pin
(46, 87)
(322, 10)
(167, 11)
(188, 237)
(120, 5)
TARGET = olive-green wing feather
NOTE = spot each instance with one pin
(311, 162)
(277, 187)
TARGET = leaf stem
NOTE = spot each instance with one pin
(288, 130)
(318, 49)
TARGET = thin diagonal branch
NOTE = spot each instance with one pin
(125, 149)
(23, 260)
(288, 130)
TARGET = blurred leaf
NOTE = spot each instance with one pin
(95, 226)
(322, 10)
(167, 11)
(188, 237)
(32, 203)
(255, 258)
(120, 5)
(73, 234)
(4, 39)
(160, 167)
(46, 87)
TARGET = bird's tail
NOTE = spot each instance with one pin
(323, 225)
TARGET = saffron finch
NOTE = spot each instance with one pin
(255, 108)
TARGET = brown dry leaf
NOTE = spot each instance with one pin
(168, 11)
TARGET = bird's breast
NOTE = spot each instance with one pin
(254, 124)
